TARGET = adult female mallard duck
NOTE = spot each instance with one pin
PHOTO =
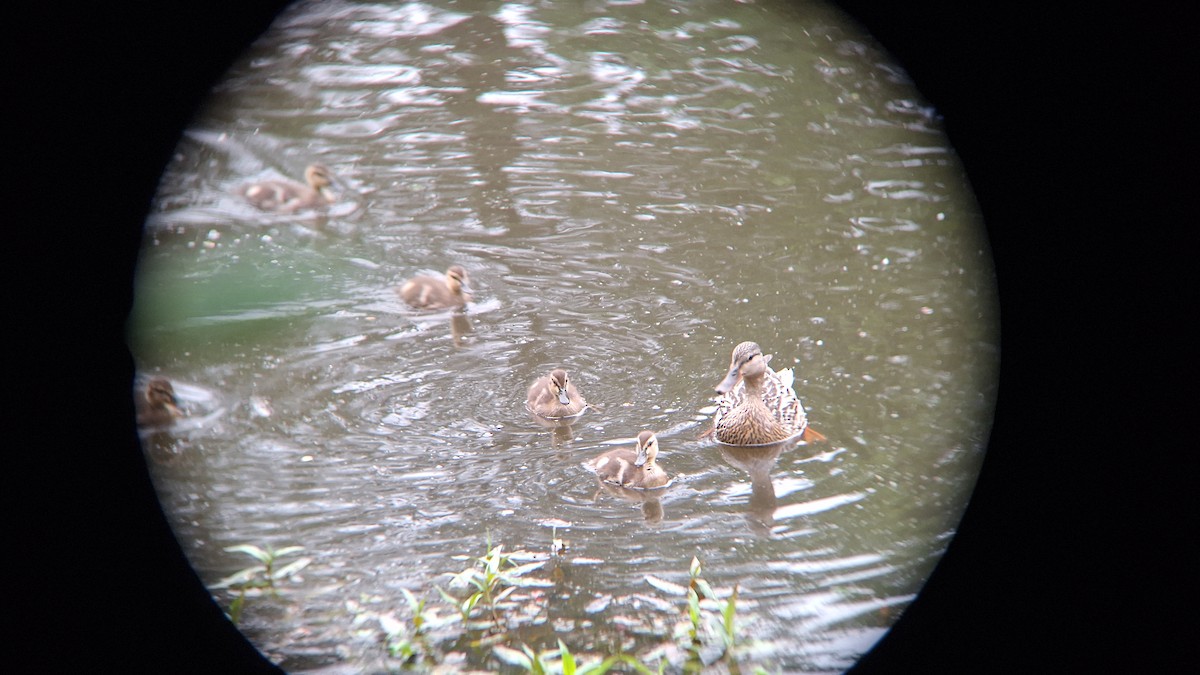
(157, 405)
(632, 468)
(758, 406)
(555, 397)
(430, 292)
(287, 196)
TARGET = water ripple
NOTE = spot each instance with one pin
(633, 192)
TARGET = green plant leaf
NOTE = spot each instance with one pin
(705, 590)
(288, 550)
(240, 577)
(694, 613)
(694, 569)
(628, 660)
(235, 609)
(598, 667)
(291, 568)
(446, 596)
(402, 649)
(567, 659)
(539, 666)
(408, 596)
(730, 616)
(250, 550)
(493, 559)
(464, 610)
(504, 594)
(470, 602)
(461, 579)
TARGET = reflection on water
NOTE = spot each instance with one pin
(649, 499)
(635, 189)
(757, 462)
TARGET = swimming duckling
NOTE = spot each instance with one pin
(157, 405)
(430, 292)
(757, 406)
(554, 396)
(634, 468)
(287, 196)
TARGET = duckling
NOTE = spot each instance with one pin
(554, 396)
(157, 405)
(429, 292)
(632, 468)
(287, 196)
(757, 406)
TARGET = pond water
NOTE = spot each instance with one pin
(634, 188)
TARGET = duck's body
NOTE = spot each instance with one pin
(157, 405)
(632, 467)
(286, 196)
(554, 396)
(430, 292)
(757, 406)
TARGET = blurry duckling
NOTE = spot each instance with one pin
(632, 468)
(430, 292)
(554, 396)
(286, 196)
(157, 405)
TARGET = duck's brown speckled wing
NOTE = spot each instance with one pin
(778, 395)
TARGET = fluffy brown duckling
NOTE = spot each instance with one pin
(430, 292)
(632, 468)
(157, 405)
(554, 396)
(286, 196)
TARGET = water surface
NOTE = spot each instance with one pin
(634, 189)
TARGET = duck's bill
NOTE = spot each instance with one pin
(563, 398)
(641, 458)
(731, 379)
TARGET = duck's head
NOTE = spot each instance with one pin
(647, 448)
(321, 179)
(748, 361)
(161, 395)
(558, 385)
(318, 176)
(457, 280)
